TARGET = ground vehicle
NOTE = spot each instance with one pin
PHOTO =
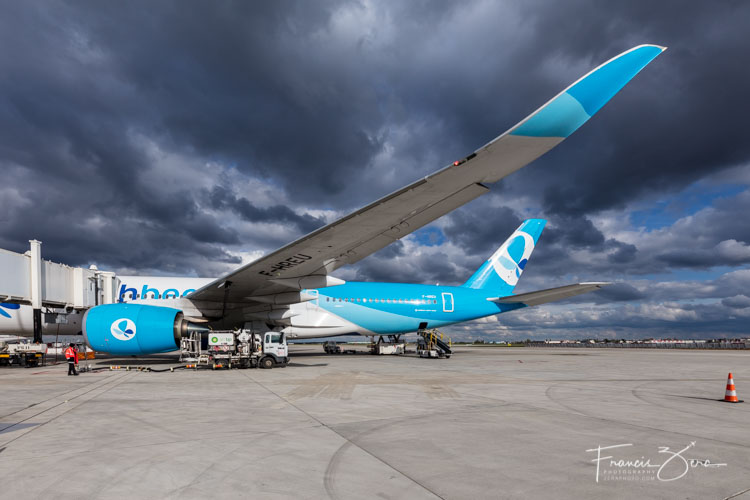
(22, 354)
(431, 344)
(331, 347)
(235, 349)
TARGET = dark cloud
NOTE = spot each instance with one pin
(480, 228)
(221, 198)
(432, 268)
(618, 292)
(159, 137)
(737, 302)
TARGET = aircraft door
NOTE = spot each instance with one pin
(447, 302)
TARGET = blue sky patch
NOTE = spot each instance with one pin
(694, 198)
(429, 236)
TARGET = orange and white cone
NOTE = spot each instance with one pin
(731, 395)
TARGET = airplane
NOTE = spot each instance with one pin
(292, 291)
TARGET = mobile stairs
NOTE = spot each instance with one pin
(433, 344)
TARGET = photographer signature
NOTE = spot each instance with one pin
(678, 461)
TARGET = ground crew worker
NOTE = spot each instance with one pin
(71, 354)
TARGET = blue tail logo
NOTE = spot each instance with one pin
(510, 259)
(500, 273)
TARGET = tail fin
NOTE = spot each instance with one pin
(500, 273)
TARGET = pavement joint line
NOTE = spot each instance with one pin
(737, 494)
(232, 437)
(32, 429)
(105, 382)
(197, 479)
(54, 406)
(343, 437)
(427, 414)
(53, 397)
(559, 403)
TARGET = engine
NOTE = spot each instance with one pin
(132, 329)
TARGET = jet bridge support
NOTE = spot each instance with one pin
(35, 270)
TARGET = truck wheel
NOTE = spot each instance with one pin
(267, 362)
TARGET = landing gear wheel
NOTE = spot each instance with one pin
(267, 362)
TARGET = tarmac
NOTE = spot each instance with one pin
(489, 422)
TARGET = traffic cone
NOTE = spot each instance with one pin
(731, 395)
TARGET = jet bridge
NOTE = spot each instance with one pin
(28, 279)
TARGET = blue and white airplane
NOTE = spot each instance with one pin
(291, 290)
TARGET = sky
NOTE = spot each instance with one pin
(190, 137)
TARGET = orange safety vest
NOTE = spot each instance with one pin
(70, 353)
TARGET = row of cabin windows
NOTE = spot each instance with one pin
(385, 301)
(152, 295)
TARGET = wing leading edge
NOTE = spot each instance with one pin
(392, 217)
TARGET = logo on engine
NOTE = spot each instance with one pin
(123, 329)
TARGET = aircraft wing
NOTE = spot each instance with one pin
(306, 263)
(550, 294)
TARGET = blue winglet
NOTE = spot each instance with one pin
(575, 105)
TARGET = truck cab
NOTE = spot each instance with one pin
(275, 348)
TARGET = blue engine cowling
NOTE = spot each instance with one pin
(132, 329)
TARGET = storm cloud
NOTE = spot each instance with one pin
(190, 137)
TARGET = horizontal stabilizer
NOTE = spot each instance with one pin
(550, 295)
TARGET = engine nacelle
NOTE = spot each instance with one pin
(131, 329)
